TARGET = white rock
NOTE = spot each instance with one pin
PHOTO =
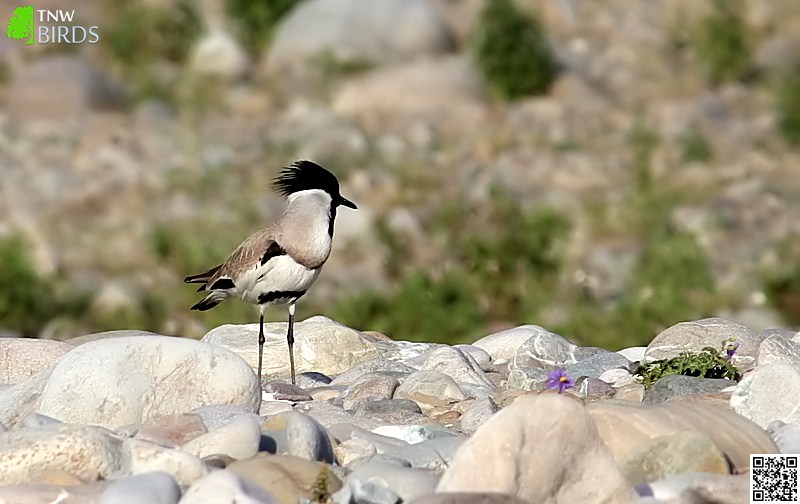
(86, 451)
(320, 345)
(153, 487)
(21, 358)
(238, 439)
(503, 345)
(218, 54)
(225, 486)
(768, 393)
(140, 457)
(354, 31)
(127, 380)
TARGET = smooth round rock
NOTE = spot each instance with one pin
(306, 438)
(321, 345)
(155, 487)
(540, 449)
(239, 439)
(113, 382)
(226, 486)
(86, 451)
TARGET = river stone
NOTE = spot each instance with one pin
(674, 453)
(625, 427)
(779, 348)
(430, 389)
(321, 345)
(541, 448)
(87, 451)
(227, 486)
(695, 335)
(127, 380)
(21, 358)
(762, 394)
(140, 457)
(672, 386)
(155, 487)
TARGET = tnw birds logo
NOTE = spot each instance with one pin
(20, 25)
(52, 27)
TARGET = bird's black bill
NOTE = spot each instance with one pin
(346, 202)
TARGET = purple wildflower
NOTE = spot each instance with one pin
(558, 379)
(730, 349)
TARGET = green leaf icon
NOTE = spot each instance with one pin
(20, 25)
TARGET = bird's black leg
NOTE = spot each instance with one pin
(290, 340)
(260, 346)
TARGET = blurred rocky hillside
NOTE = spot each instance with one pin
(656, 179)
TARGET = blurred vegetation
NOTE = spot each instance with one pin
(788, 107)
(29, 300)
(256, 21)
(722, 43)
(782, 285)
(512, 51)
(695, 147)
(503, 274)
(143, 36)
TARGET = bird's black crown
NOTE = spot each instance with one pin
(304, 175)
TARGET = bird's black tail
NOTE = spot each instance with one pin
(209, 301)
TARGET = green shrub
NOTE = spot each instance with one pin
(708, 363)
(695, 147)
(788, 107)
(782, 286)
(722, 43)
(28, 300)
(511, 50)
(256, 21)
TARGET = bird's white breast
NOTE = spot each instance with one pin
(280, 273)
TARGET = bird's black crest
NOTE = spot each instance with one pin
(304, 175)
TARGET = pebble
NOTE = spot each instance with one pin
(759, 398)
(306, 438)
(239, 439)
(139, 456)
(226, 486)
(430, 389)
(156, 487)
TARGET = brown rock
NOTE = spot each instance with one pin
(287, 478)
(173, 430)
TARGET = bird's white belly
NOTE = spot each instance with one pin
(279, 274)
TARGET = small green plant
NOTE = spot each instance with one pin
(256, 21)
(511, 50)
(320, 493)
(695, 147)
(722, 43)
(708, 363)
(788, 107)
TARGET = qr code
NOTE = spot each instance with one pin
(773, 478)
